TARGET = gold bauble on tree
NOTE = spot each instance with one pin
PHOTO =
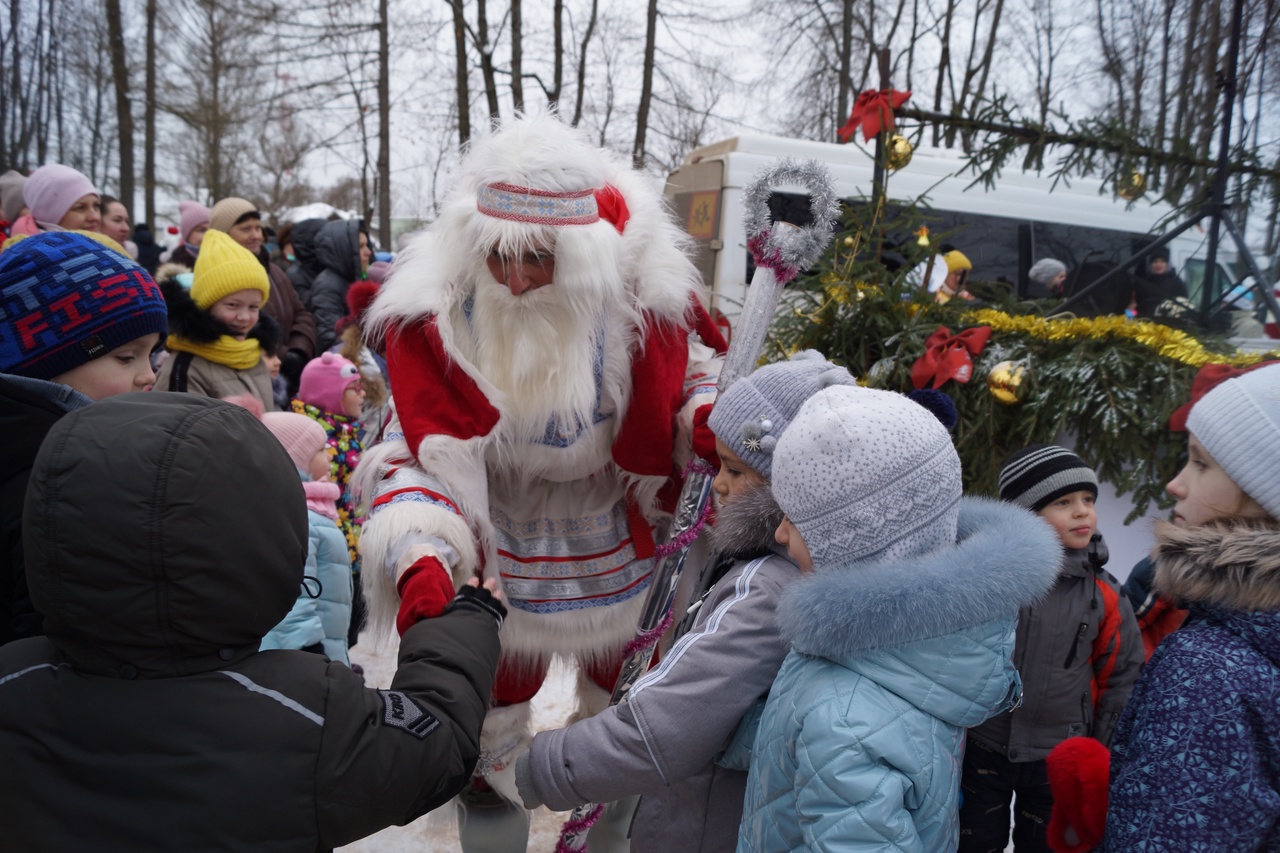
(1005, 382)
(900, 151)
(1132, 186)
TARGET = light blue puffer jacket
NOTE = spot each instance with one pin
(861, 741)
(322, 619)
(329, 560)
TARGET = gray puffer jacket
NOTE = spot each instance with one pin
(147, 718)
(338, 251)
(662, 743)
(1079, 653)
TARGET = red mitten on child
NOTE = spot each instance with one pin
(1079, 772)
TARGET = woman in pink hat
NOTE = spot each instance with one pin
(62, 199)
(193, 221)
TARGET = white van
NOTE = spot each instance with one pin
(1003, 231)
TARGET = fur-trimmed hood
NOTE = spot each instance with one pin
(744, 529)
(1005, 558)
(187, 320)
(1232, 565)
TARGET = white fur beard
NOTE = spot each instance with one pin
(539, 350)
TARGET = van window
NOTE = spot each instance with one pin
(1193, 275)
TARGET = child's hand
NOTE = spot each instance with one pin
(491, 584)
(486, 598)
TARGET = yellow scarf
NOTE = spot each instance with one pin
(227, 351)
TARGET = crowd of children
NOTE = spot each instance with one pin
(880, 663)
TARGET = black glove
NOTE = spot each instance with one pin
(291, 368)
(314, 648)
(478, 598)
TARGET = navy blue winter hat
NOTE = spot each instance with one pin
(66, 299)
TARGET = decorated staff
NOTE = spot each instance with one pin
(780, 251)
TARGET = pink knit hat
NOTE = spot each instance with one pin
(191, 215)
(301, 436)
(52, 189)
(325, 379)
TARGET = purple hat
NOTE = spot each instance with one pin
(52, 189)
(191, 215)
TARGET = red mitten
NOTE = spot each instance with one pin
(425, 591)
(1079, 772)
(704, 440)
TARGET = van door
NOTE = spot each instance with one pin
(696, 198)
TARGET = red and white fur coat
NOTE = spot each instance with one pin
(537, 437)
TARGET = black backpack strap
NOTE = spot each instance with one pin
(178, 378)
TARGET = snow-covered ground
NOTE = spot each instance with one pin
(436, 832)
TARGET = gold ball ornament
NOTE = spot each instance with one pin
(1132, 187)
(900, 151)
(1004, 382)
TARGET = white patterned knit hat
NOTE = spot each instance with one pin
(1238, 422)
(864, 474)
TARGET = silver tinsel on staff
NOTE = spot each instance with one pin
(780, 251)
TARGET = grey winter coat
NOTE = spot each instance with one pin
(1079, 653)
(147, 719)
(338, 250)
(663, 742)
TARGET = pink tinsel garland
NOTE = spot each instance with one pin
(647, 640)
(772, 260)
(576, 827)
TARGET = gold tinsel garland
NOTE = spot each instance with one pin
(1165, 341)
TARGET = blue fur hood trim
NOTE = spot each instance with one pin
(1005, 558)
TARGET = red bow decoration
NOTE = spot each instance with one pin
(947, 356)
(873, 112)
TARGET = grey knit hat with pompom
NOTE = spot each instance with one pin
(751, 414)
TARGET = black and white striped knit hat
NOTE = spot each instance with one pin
(1040, 474)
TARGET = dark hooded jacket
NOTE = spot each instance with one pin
(28, 410)
(147, 717)
(338, 249)
(148, 251)
(306, 265)
(285, 306)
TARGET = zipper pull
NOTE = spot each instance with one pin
(1071, 655)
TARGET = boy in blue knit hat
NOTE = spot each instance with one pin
(78, 322)
(661, 744)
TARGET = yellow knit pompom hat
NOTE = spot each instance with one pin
(955, 259)
(224, 267)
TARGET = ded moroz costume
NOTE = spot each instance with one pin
(539, 433)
